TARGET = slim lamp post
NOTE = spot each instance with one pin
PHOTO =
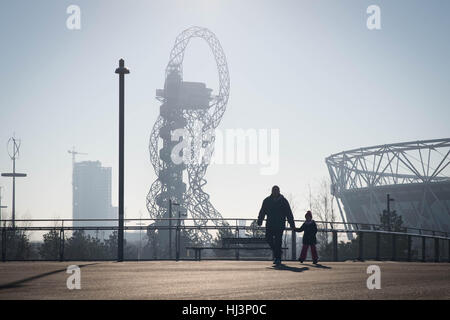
(121, 71)
(171, 205)
(388, 200)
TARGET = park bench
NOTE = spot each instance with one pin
(233, 244)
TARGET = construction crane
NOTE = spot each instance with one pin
(74, 153)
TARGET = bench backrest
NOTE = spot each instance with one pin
(244, 241)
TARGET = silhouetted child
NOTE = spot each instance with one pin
(309, 238)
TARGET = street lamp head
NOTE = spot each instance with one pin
(122, 69)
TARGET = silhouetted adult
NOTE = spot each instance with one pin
(277, 209)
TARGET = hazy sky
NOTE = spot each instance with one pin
(312, 69)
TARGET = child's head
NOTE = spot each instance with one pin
(308, 215)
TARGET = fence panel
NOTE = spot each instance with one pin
(146, 240)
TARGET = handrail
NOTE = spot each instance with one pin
(215, 219)
(112, 228)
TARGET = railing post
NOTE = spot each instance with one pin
(335, 245)
(61, 244)
(361, 246)
(377, 246)
(177, 241)
(448, 250)
(4, 244)
(237, 235)
(409, 247)
(170, 228)
(394, 247)
(436, 249)
(423, 249)
(293, 245)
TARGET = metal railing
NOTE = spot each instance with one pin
(367, 241)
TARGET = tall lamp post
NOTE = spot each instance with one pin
(177, 234)
(121, 71)
(388, 200)
(14, 154)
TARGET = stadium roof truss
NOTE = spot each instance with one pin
(392, 167)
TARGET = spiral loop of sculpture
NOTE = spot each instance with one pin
(194, 200)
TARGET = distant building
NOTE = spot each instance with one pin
(92, 196)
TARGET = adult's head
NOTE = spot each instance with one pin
(308, 215)
(275, 191)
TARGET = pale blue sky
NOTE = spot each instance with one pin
(310, 68)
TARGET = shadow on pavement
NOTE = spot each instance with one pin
(320, 266)
(19, 283)
(288, 268)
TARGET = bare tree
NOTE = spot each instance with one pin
(322, 205)
(322, 202)
(292, 202)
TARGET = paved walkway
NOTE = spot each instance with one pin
(223, 280)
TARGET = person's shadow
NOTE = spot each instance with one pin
(319, 266)
(21, 282)
(288, 268)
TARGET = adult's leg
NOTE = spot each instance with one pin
(269, 239)
(304, 252)
(277, 242)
